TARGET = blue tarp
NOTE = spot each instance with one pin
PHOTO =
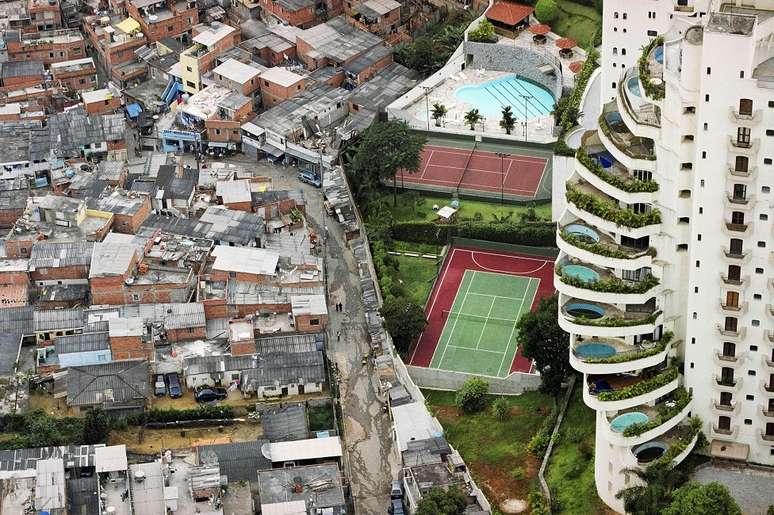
(133, 110)
(171, 92)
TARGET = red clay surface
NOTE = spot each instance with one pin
(444, 166)
(442, 296)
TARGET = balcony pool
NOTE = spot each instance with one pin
(621, 422)
(658, 55)
(594, 349)
(581, 272)
(650, 451)
(581, 309)
(583, 232)
(633, 85)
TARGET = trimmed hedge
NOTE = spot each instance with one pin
(203, 412)
(681, 399)
(581, 79)
(603, 250)
(533, 234)
(616, 322)
(612, 285)
(610, 211)
(694, 427)
(654, 92)
(561, 148)
(642, 387)
(630, 185)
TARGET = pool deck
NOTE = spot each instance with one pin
(538, 129)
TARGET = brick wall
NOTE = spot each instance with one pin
(243, 347)
(103, 106)
(304, 323)
(181, 335)
(107, 290)
(60, 273)
(130, 347)
(18, 248)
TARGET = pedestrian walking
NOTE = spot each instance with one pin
(338, 336)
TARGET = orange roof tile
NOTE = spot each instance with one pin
(509, 13)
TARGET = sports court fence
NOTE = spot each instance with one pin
(435, 379)
(545, 252)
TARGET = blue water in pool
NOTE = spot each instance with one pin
(634, 86)
(659, 55)
(650, 451)
(490, 97)
(605, 159)
(583, 231)
(594, 350)
(581, 272)
(621, 422)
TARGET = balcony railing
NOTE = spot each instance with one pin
(727, 381)
(608, 249)
(732, 282)
(722, 431)
(610, 211)
(737, 227)
(628, 184)
(736, 199)
(742, 173)
(739, 332)
(726, 407)
(766, 436)
(737, 116)
(734, 254)
(726, 357)
(737, 143)
(767, 413)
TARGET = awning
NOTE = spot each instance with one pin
(128, 26)
(272, 150)
(133, 110)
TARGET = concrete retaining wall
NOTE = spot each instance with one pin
(514, 59)
(434, 379)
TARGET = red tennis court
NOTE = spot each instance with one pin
(478, 170)
(459, 260)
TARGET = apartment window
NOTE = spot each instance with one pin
(624, 16)
(751, 373)
(701, 210)
(724, 423)
(698, 264)
(698, 237)
(730, 324)
(755, 323)
(759, 270)
(740, 191)
(727, 375)
(686, 166)
(741, 74)
(741, 164)
(652, 33)
(737, 217)
(749, 397)
(615, 15)
(745, 106)
(743, 135)
(612, 85)
(736, 246)
(615, 50)
(732, 300)
(703, 152)
(753, 348)
(757, 296)
(763, 216)
(689, 110)
(769, 132)
(709, 70)
(706, 126)
(725, 398)
(623, 51)
(189, 68)
(706, 97)
(765, 189)
(748, 422)
(761, 244)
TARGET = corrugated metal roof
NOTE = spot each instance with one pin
(58, 319)
(86, 342)
(285, 423)
(47, 254)
(18, 320)
(108, 384)
(240, 461)
(25, 459)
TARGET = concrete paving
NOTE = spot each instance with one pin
(370, 462)
(751, 487)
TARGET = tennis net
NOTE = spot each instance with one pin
(448, 315)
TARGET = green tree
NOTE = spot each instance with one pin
(653, 493)
(545, 342)
(404, 319)
(484, 33)
(384, 149)
(442, 502)
(472, 118)
(447, 41)
(546, 11)
(471, 398)
(421, 55)
(501, 408)
(439, 112)
(96, 427)
(696, 499)
(508, 122)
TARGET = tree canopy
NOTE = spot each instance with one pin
(545, 342)
(471, 398)
(484, 33)
(96, 427)
(696, 499)
(654, 492)
(546, 11)
(404, 319)
(442, 502)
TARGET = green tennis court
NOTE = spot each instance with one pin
(479, 333)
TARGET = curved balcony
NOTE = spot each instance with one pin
(745, 148)
(639, 112)
(734, 282)
(734, 202)
(651, 70)
(592, 246)
(582, 317)
(599, 285)
(735, 230)
(618, 392)
(668, 447)
(634, 152)
(660, 419)
(598, 209)
(599, 168)
(750, 173)
(599, 355)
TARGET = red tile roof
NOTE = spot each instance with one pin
(509, 13)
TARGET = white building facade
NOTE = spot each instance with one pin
(665, 271)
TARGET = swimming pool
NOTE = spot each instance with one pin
(633, 84)
(586, 233)
(582, 309)
(621, 422)
(490, 97)
(581, 272)
(658, 54)
(650, 451)
(604, 159)
(615, 121)
(594, 350)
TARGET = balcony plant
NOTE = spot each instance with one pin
(601, 249)
(641, 388)
(651, 90)
(617, 322)
(630, 185)
(681, 397)
(666, 338)
(692, 429)
(610, 211)
(611, 285)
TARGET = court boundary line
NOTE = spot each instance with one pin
(516, 351)
(531, 302)
(429, 158)
(480, 188)
(496, 296)
(454, 326)
(472, 349)
(486, 321)
(451, 150)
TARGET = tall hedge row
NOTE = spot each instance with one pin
(536, 234)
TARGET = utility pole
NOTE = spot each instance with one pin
(526, 99)
(427, 105)
(502, 156)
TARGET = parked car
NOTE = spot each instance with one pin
(159, 385)
(396, 490)
(211, 394)
(173, 384)
(310, 177)
(396, 507)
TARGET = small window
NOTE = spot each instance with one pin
(314, 321)
(741, 74)
(757, 296)
(755, 323)
(751, 398)
(753, 348)
(761, 244)
(764, 216)
(748, 422)
(706, 97)
(709, 70)
(652, 33)
(759, 270)
(706, 126)
(698, 263)
(765, 189)
(767, 161)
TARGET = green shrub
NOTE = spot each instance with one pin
(484, 33)
(537, 503)
(204, 412)
(617, 322)
(501, 408)
(603, 250)
(570, 110)
(651, 90)
(681, 398)
(630, 356)
(611, 285)
(630, 185)
(537, 234)
(641, 388)
(611, 211)
(693, 428)
(561, 148)
(471, 398)
(546, 11)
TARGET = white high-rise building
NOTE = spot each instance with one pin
(666, 270)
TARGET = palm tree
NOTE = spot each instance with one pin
(508, 122)
(654, 493)
(472, 117)
(439, 112)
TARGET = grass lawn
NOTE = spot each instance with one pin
(417, 275)
(570, 471)
(421, 248)
(576, 21)
(495, 451)
(407, 210)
